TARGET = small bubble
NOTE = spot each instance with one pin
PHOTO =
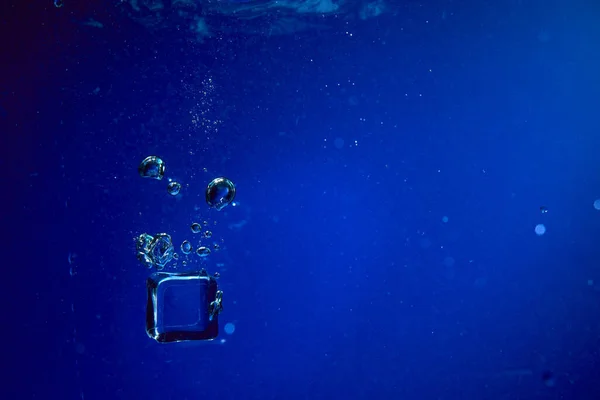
(203, 251)
(597, 204)
(196, 227)
(186, 247)
(216, 246)
(208, 234)
(444, 219)
(543, 209)
(152, 167)
(174, 188)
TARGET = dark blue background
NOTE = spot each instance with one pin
(339, 282)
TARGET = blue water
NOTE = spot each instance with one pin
(390, 175)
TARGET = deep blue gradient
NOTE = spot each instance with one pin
(339, 272)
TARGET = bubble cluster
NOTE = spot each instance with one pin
(203, 113)
(155, 251)
(158, 250)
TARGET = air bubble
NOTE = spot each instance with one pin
(196, 227)
(186, 247)
(173, 188)
(219, 193)
(152, 167)
(203, 251)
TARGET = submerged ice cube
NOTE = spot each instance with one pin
(180, 307)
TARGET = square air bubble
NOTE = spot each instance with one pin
(182, 307)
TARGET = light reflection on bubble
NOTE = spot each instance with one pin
(186, 247)
(196, 227)
(203, 251)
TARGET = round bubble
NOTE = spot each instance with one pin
(173, 188)
(203, 251)
(196, 227)
(597, 204)
(540, 229)
(229, 328)
(208, 234)
(152, 167)
(186, 247)
(444, 219)
(338, 143)
(219, 193)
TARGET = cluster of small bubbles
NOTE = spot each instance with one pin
(219, 193)
(174, 188)
(142, 245)
(186, 247)
(207, 234)
(196, 227)
(152, 167)
(161, 250)
(201, 113)
(203, 251)
(155, 250)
